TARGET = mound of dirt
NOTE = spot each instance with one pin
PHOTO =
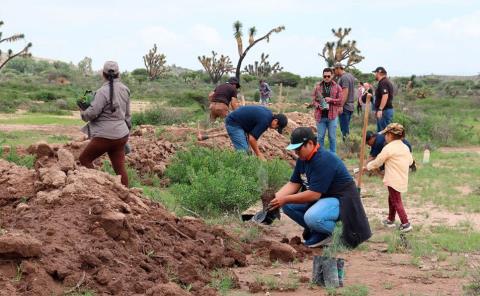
(64, 227)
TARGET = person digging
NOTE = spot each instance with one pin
(245, 126)
(222, 98)
(320, 193)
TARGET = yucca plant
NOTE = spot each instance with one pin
(10, 54)
(237, 30)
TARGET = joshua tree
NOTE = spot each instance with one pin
(10, 54)
(340, 50)
(85, 66)
(216, 68)
(154, 63)
(237, 28)
(263, 68)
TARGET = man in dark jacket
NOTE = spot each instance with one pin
(321, 192)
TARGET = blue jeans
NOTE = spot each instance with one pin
(387, 117)
(319, 217)
(344, 119)
(264, 101)
(238, 137)
(322, 127)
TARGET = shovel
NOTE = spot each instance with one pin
(266, 216)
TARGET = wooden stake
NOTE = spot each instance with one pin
(364, 138)
(280, 92)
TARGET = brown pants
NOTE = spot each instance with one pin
(218, 110)
(116, 152)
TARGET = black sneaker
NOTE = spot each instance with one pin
(388, 223)
(319, 240)
(405, 227)
(306, 234)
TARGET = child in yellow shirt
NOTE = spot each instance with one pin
(397, 159)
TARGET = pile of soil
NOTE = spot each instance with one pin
(64, 227)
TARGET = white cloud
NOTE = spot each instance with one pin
(444, 46)
(206, 34)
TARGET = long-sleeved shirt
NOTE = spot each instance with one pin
(103, 122)
(334, 106)
(397, 159)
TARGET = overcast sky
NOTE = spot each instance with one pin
(405, 36)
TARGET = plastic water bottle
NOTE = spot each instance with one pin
(426, 156)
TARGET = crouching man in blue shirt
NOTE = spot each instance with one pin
(320, 193)
(246, 124)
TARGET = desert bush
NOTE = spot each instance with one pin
(48, 108)
(189, 98)
(212, 182)
(422, 92)
(46, 95)
(248, 78)
(159, 115)
(286, 78)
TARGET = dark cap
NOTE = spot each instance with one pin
(370, 135)
(300, 136)
(282, 121)
(380, 70)
(234, 80)
(338, 65)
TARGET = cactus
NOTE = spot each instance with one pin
(10, 54)
(154, 63)
(216, 68)
(340, 50)
(263, 68)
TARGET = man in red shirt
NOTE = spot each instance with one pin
(327, 101)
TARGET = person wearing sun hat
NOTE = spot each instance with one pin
(321, 192)
(397, 159)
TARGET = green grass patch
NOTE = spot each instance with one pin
(222, 281)
(438, 242)
(12, 156)
(41, 119)
(440, 182)
(159, 115)
(26, 138)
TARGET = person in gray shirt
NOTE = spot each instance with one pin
(347, 83)
(108, 122)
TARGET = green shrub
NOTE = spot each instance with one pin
(189, 98)
(286, 78)
(162, 116)
(248, 78)
(211, 182)
(46, 95)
